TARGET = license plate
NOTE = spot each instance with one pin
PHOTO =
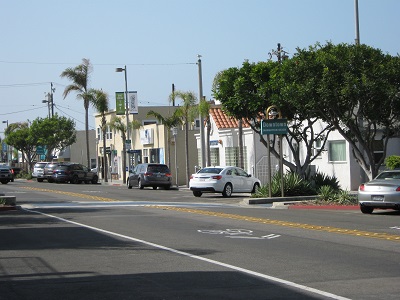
(201, 179)
(378, 198)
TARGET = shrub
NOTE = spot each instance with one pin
(319, 180)
(392, 162)
(293, 185)
(326, 193)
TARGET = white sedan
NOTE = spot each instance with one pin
(225, 180)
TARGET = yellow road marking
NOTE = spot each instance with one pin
(354, 232)
(78, 195)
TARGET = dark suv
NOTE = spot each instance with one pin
(152, 175)
(74, 173)
(6, 175)
(48, 170)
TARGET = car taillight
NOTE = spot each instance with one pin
(361, 188)
(191, 177)
(398, 189)
(217, 177)
(148, 174)
(168, 174)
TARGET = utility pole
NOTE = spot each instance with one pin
(202, 141)
(357, 40)
(52, 90)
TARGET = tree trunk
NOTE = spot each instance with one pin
(105, 166)
(87, 135)
(241, 162)
(187, 152)
(124, 154)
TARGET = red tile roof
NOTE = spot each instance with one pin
(222, 120)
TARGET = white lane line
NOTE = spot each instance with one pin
(218, 263)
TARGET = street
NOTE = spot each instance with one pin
(107, 242)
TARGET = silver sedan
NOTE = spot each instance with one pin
(381, 192)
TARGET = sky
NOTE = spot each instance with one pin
(159, 42)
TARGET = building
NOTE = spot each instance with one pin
(153, 142)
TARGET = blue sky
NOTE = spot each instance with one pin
(159, 40)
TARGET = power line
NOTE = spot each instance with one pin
(99, 64)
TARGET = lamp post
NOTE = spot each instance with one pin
(127, 121)
(175, 133)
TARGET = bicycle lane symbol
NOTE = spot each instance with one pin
(239, 234)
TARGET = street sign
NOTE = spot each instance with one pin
(128, 144)
(274, 126)
(40, 150)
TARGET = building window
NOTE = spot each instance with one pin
(317, 148)
(378, 150)
(145, 155)
(232, 156)
(214, 156)
(109, 133)
(337, 151)
(99, 137)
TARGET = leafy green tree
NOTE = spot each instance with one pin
(188, 111)
(99, 100)
(169, 122)
(247, 92)
(18, 135)
(359, 89)
(79, 76)
(55, 133)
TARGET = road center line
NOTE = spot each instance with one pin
(211, 261)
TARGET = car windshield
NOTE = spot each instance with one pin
(40, 165)
(158, 169)
(211, 170)
(389, 175)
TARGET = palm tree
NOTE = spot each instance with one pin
(119, 125)
(99, 100)
(188, 111)
(204, 111)
(169, 122)
(80, 78)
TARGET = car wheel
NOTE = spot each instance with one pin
(95, 180)
(40, 180)
(256, 187)
(227, 192)
(366, 209)
(154, 187)
(4, 182)
(140, 186)
(50, 180)
(128, 184)
(167, 187)
(75, 180)
(197, 193)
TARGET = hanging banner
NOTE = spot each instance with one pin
(120, 103)
(133, 102)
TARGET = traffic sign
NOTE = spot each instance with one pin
(274, 126)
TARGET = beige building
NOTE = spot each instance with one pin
(151, 143)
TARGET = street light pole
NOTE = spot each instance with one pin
(175, 133)
(202, 138)
(127, 122)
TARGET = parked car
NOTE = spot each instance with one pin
(74, 173)
(150, 175)
(225, 180)
(49, 168)
(381, 192)
(38, 171)
(6, 174)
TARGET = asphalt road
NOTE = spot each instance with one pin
(108, 242)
